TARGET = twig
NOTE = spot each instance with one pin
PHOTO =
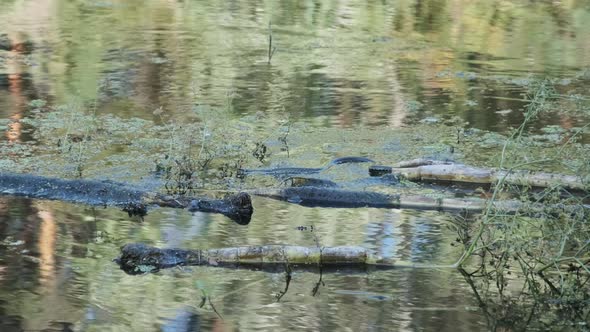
(271, 50)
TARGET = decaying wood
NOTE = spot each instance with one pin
(419, 162)
(430, 170)
(140, 258)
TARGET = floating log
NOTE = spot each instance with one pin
(237, 207)
(420, 162)
(422, 169)
(428, 170)
(139, 258)
(332, 197)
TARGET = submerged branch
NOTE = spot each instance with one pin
(331, 197)
(430, 170)
(140, 258)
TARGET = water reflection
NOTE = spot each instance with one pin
(15, 87)
(56, 267)
(348, 63)
(185, 320)
(338, 63)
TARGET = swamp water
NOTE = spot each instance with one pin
(144, 82)
(57, 269)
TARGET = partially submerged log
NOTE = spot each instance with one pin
(420, 162)
(237, 207)
(318, 192)
(139, 258)
(443, 171)
(431, 170)
(333, 197)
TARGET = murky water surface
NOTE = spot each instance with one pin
(57, 269)
(362, 64)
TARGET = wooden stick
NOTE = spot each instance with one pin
(468, 174)
(140, 258)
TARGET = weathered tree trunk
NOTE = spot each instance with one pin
(140, 258)
(432, 170)
(101, 193)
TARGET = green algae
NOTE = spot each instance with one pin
(206, 147)
(207, 152)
